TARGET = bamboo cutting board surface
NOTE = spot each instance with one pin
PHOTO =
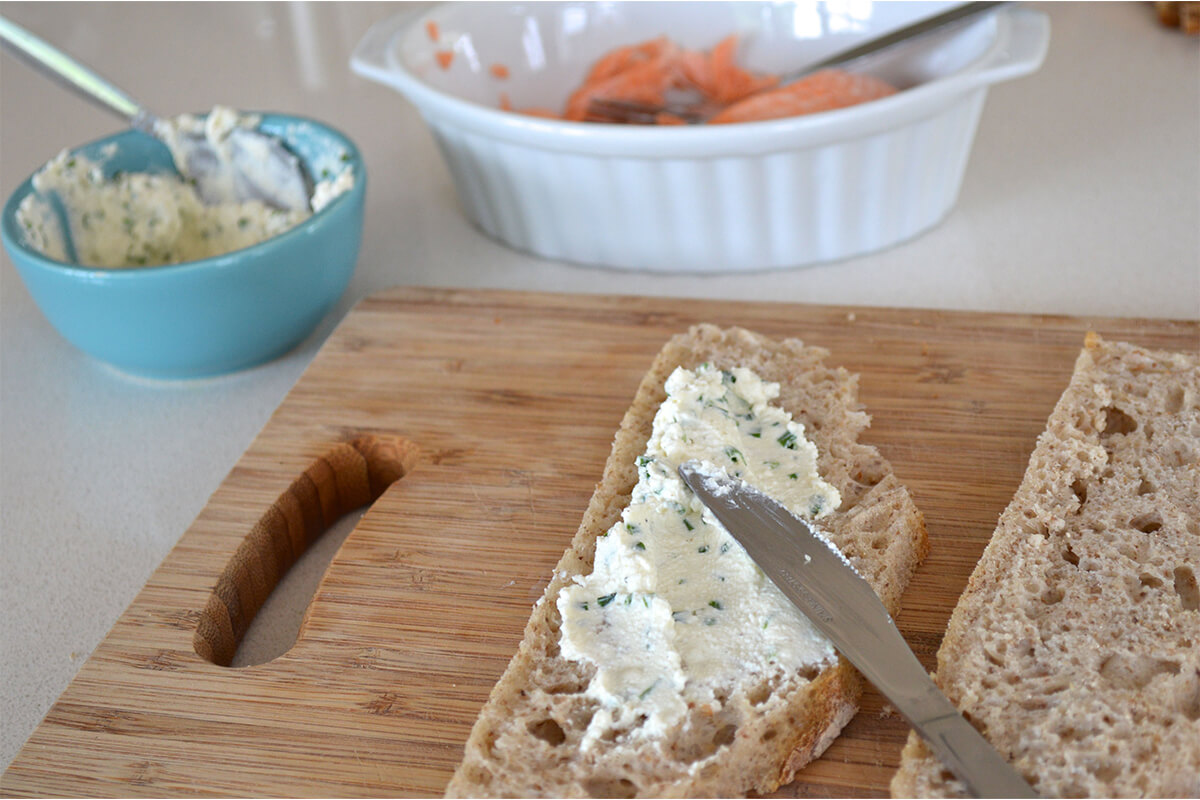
(498, 410)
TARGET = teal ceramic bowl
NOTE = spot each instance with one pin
(215, 315)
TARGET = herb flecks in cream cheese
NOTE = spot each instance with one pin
(135, 219)
(674, 609)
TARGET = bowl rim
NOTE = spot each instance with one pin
(12, 237)
(377, 57)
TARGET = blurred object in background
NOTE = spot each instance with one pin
(1185, 16)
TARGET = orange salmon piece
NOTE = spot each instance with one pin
(717, 77)
(667, 118)
(499, 71)
(724, 71)
(624, 58)
(821, 91)
(643, 83)
(696, 69)
(729, 82)
(444, 58)
(431, 28)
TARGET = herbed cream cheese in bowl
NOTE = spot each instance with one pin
(137, 219)
(208, 316)
(674, 608)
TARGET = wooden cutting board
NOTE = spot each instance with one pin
(499, 410)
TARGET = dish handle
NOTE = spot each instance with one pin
(1026, 38)
(371, 58)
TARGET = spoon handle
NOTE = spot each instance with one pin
(928, 25)
(69, 72)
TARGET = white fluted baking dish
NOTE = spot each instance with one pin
(758, 195)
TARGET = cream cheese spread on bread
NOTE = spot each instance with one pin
(674, 609)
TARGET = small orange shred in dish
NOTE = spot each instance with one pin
(444, 58)
(646, 72)
(431, 29)
(499, 71)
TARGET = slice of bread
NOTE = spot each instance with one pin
(526, 740)
(1076, 646)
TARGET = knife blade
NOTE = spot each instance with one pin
(822, 583)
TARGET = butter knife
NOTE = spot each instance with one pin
(821, 582)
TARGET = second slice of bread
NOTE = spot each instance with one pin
(526, 741)
(1076, 645)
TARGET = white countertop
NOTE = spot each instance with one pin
(1082, 197)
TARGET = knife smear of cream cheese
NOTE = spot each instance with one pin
(674, 608)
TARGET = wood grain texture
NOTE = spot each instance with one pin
(509, 402)
(347, 477)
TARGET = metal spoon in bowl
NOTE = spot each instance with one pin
(253, 165)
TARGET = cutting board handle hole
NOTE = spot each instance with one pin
(349, 476)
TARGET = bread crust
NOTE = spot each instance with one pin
(525, 741)
(1075, 647)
